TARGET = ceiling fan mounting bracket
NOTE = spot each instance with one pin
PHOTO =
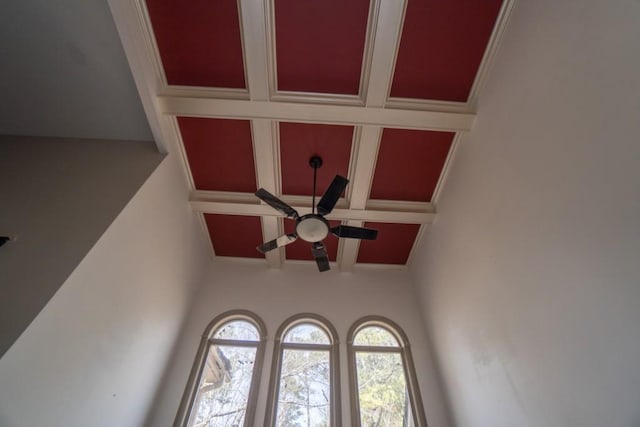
(315, 162)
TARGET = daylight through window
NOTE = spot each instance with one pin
(382, 376)
(304, 379)
(306, 357)
(225, 390)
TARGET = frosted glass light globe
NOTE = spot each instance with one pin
(312, 229)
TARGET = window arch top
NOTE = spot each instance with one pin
(306, 333)
(223, 385)
(381, 365)
(375, 336)
(241, 330)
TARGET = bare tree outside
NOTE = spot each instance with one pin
(223, 391)
(382, 387)
(305, 379)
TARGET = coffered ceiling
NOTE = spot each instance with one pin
(246, 91)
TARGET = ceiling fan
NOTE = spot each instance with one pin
(313, 227)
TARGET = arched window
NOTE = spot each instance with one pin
(304, 378)
(223, 385)
(384, 387)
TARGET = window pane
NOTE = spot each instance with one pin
(307, 333)
(382, 390)
(223, 391)
(304, 390)
(375, 336)
(238, 330)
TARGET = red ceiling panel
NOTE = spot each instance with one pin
(409, 164)
(199, 42)
(302, 250)
(235, 235)
(320, 44)
(299, 142)
(220, 153)
(441, 48)
(392, 246)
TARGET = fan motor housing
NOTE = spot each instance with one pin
(312, 228)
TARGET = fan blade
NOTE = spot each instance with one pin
(283, 240)
(331, 196)
(320, 254)
(276, 203)
(355, 232)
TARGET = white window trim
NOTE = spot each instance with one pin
(186, 405)
(415, 399)
(276, 366)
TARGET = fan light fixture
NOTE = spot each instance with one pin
(313, 227)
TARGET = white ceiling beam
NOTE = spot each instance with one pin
(304, 202)
(258, 209)
(364, 166)
(399, 217)
(386, 39)
(315, 113)
(254, 33)
(264, 156)
(348, 249)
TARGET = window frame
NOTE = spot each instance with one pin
(404, 349)
(207, 341)
(335, 417)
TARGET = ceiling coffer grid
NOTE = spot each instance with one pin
(209, 87)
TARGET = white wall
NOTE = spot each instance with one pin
(530, 277)
(57, 197)
(64, 73)
(274, 295)
(96, 353)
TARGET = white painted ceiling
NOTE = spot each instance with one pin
(64, 73)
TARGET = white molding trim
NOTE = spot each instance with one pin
(270, 39)
(205, 230)
(364, 165)
(417, 241)
(311, 113)
(304, 202)
(368, 50)
(386, 38)
(204, 92)
(253, 28)
(369, 266)
(264, 155)
(310, 263)
(490, 51)
(316, 98)
(269, 232)
(447, 166)
(428, 105)
(182, 152)
(369, 111)
(400, 205)
(219, 205)
(348, 249)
